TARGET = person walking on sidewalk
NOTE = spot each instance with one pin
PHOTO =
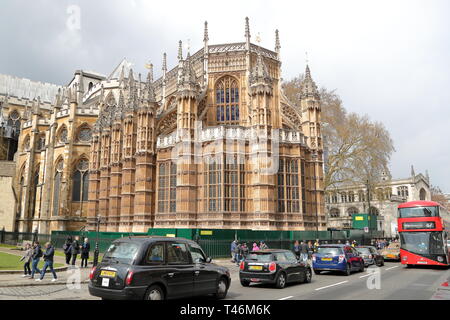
(48, 258)
(85, 248)
(75, 249)
(233, 250)
(27, 260)
(67, 249)
(35, 257)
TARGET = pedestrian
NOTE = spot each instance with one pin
(67, 247)
(233, 250)
(48, 258)
(27, 256)
(296, 249)
(244, 251)
(310, 249)
(85, 248)
(303, 251)
(263, 245)
(354, 243)
(255, 247)
(238, 252)
(35, 257)
(75, 250)
(347, 243)
(339, 242)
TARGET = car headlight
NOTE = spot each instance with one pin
(440, 259)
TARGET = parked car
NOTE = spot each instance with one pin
(337, 257)
(370, 256)
(157, 268)
(274, 266)
(391, 252)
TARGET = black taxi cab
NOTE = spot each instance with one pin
(157, 268)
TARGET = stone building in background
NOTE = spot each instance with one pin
(211, 143)
(342, 202)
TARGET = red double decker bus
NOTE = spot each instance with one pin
(423, 234)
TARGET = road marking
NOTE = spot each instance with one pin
(285, 298)
(391, 268)
(366, 275)
(331, 285)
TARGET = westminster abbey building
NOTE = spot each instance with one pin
(212, 143)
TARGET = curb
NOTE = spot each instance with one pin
(2, 272)
(37, 284)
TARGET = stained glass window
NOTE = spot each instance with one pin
(85, 134)
(167, 187)
(80, 181)
(227, 101)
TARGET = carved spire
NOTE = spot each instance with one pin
(260, 74)
(308, 87)
(413, 173)
(187, 79)
(277, 42)
(164, 64)
(120, 106)
(247, 30)
(205, 34)
(180, 50)
(149, 90)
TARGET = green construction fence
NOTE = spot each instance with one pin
(217, 242)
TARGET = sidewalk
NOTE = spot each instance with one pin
(16, 280)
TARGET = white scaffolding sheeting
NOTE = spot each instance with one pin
(26, 89)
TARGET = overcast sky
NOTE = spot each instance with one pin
(387, 59)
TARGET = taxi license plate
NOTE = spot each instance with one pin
(108, 274)
(326, 259)
(259, 268)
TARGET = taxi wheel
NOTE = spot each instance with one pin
(155, 293)
(317, 271)
(222, 289)
(362, 267)
(281, 280)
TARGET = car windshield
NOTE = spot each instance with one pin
(124, 252)
(418, 212)
(333, 251)
(422, 242)
(363, 250)
(260, 257)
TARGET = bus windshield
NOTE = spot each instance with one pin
(415, 212)
(422, 242)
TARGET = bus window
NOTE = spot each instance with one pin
(414, 212)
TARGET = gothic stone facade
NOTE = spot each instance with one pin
(213, 143)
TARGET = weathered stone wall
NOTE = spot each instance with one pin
(7, 197)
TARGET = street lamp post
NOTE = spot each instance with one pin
(96, 251)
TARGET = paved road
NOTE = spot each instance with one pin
(397, 282)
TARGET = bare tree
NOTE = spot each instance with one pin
(357, 150)
(438, 196)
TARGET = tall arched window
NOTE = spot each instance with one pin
(80, 181)
(227, 101)
(34, 193)
(422, 194)
(167, 187)
(57, 187)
